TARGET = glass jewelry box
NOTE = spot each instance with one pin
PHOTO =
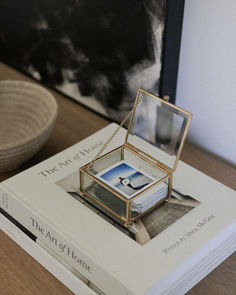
(136, 177)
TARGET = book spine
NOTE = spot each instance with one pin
(47, 260)
(55, 241)
(25, 239)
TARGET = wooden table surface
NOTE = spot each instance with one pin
(21, 274)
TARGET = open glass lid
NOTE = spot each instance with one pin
(158, 128)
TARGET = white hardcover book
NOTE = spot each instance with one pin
(204, 268)
(72, 279)
(47, 260)
(152, 256)
(76, 282)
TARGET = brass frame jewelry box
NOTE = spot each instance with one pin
(136, 177)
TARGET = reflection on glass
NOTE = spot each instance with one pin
(159, 123)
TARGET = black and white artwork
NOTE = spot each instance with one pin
(98, 52)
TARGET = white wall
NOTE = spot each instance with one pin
(207, 74)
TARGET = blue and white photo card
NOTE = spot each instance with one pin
(126, 179)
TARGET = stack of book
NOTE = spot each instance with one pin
(167, 251)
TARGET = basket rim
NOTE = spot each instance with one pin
(40, 131)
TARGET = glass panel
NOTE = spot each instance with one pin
(139, 173)
(159, 124)
(104, 196)
(106, 161)
(144, 165)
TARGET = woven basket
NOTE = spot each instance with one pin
(27, 117)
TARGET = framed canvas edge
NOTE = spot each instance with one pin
(171, 48)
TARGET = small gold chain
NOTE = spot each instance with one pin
(127, 116)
